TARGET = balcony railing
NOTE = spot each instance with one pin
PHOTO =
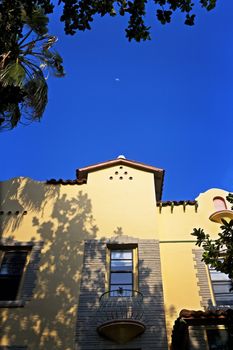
(120, 315)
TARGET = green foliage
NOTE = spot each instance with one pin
(36, 96)
(229, 198)
(37, 21)
(13, 74)
(219, 252)
(26, 59)
(78, 14)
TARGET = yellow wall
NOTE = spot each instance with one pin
(123, 206)
(180, 281)
(63, 216)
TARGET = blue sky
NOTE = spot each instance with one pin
(167, 102)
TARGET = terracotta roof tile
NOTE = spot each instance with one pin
(212, 313)
(188, 318)
(181, 202)
(66, 182)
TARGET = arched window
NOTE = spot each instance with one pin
(219, 203)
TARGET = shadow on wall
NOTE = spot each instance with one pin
(118, 231)
(23, 194)
(152, 289)
(93, 285)
(197, 334)
(48, 321)
(172, 314)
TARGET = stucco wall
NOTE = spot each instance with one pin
(62, 217)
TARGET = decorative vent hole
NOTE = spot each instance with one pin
(121, 174)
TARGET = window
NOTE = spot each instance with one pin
(13, 347)
(219, 204)
(218, 339)
(221, 285)
(122, 277)
(12, 264)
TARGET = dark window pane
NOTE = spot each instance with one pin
(123, 265)
(121, 286)
(9, 288)
(121, 254)
(225, 300)
(218, 339)
(10, 274)
(121, 278)
(121, 290)
(13, 263)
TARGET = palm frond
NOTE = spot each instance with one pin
(37, 21)
(11, 117)
(23, 87)
(50, 41)
(53, 61)
(15, 115)
(36, 99)
(12, 74)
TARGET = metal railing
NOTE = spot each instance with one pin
(121, 304)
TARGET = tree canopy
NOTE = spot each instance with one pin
(78, 14)
(26, 46)
(26, 55)
(218, 253)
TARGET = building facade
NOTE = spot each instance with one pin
(101, 262)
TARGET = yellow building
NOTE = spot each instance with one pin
(101, 262)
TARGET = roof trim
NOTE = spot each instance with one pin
(65, 182)
(211, 316)
(197, 318)
(176, 203)
(82, 173)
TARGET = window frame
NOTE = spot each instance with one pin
(28, 280)
(219, 328)
(5, 249)
(13, 347)
(134, 270)
(218, 282)
(216, 201)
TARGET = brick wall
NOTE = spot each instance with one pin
(201, 273)
(93, 285)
